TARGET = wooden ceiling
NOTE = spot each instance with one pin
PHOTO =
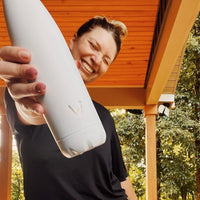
(130, 67)
(139, 76)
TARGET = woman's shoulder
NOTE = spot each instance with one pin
(100, 108)
(103, 112)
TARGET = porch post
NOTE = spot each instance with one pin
(5, 157)
(150, 137)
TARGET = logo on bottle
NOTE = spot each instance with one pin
(76, 108)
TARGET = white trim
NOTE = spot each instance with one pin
(166, 98)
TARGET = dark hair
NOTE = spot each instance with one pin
(117, 28)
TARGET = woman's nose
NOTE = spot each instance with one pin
(97, 58)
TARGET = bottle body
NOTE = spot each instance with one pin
(69, 111)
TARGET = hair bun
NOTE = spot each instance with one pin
(121, 28)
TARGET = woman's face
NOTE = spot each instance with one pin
(93, 52)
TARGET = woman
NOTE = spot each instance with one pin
(97, 174)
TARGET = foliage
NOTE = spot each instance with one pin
(17, 178)
(178, 136)
(131, 131)
(176, 163)
(188, 94)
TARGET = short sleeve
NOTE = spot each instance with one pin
(119, 168)
(15, 124)
(10, 110)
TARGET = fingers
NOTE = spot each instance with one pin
(25, 95)
(10, 70)
(15, 63)
(32, 105)
(22, 90)
(15, 54)
(16, 70)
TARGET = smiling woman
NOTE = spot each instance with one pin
(98, 42)
(96, 52)
(97, 174)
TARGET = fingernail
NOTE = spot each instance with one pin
(40, 88)
(31, 73)
(24, 55)
(36, 111)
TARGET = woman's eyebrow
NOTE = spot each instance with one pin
(98, 45)
(100, 48)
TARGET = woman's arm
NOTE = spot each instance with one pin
(20, 77)
(127, 186)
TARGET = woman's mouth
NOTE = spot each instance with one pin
(87, 67)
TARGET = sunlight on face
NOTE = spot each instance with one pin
(93, 52)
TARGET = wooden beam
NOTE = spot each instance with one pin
(5, 159)
(150, 151)
(127, 98)
(179, 19)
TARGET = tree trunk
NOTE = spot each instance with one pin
(183, 196)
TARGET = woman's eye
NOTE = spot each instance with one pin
(93, 45)
(106, 62)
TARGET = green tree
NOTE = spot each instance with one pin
(17, 192)
(178, 134)
(188, 93)
(131, 131)
(175, 157)
(178, 138)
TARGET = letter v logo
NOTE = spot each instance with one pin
(76, 108)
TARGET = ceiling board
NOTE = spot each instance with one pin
(129, 69)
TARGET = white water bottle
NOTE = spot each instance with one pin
(69, 111)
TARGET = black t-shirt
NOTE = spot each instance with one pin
(48, 175)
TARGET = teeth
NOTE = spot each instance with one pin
(88, 67)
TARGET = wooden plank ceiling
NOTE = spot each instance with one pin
(130, 68)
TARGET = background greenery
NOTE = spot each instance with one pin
(178, 137)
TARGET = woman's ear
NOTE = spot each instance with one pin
(72, 40)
